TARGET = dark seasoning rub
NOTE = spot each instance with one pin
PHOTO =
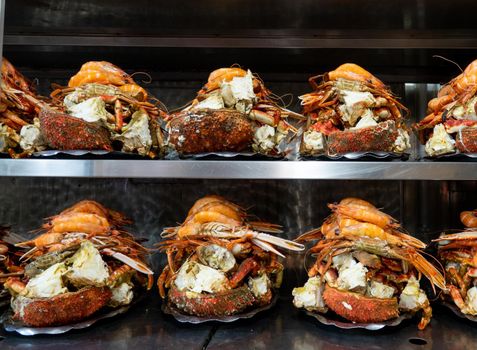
(65, 132)
(210, 131)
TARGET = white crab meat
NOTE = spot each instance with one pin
(216, 257)
(466, 111)
(313, 141)
(198, 278)
(213, 101)
(412, 297)
(352, 277)
(92, 110)
(342, 260)
(264, 138)
(366, 120)
(227, 96)
(31, 139)
(8, 138)
(351, 274)
(352, 98)
(471, 301)
(88, 268)
(403, 141)
(310, 296)
(238, 93)
(259, 285)
(122, 295)
(379, 290)
(353, 104)
(440, 142)
(73, 98)
(48, 283)
(136, 136)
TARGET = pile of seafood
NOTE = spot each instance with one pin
(220, 264)
(457, 252)
(103, 109)
(83, 263)
(366, 269)
(350, 110)
(19, 106)
(9, 262)
(233, 112)
(451, 125)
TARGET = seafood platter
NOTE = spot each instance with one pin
(238, 175)
(456, 252)
(234, 113)
(349, 115)
(450, 127)
(82, 267)
(102, 110)
(366, 271)
(351, 111)
(220, 266)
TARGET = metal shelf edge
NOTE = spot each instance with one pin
(403, 42)
(189, 169)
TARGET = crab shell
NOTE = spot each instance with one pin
(359, 308)
(225, 303)
(61, 309)
(380, 137)
(208, 130)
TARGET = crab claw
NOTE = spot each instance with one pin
(136, 265)
(267, 247)
(280, 242)
(262, 117)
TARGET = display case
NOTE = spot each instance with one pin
(178, 44)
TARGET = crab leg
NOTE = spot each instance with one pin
(265, 226)
(137, 265)
(267, 247)
(280, 242)
(457, 236)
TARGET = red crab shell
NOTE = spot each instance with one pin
(207, 130)
(226, 303)
(374, 138)
(62, 309)
(359, 308)
(65, 132)
(466, 140)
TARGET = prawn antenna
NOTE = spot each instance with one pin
(448, 60)
(147, 75)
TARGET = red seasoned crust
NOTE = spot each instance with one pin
(466, 140)
(210, 131)
(64, 132)
(359, 308)
(219, 304)
(374, 138)
(61, 309)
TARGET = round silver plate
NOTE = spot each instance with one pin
(331, 320)
(100, 154)
(12, 325)
(362, 156)
(454, 157)
(457, 311)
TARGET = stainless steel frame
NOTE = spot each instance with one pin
(2, 17)
(196, 169)
(425, 196)
(356, 39)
